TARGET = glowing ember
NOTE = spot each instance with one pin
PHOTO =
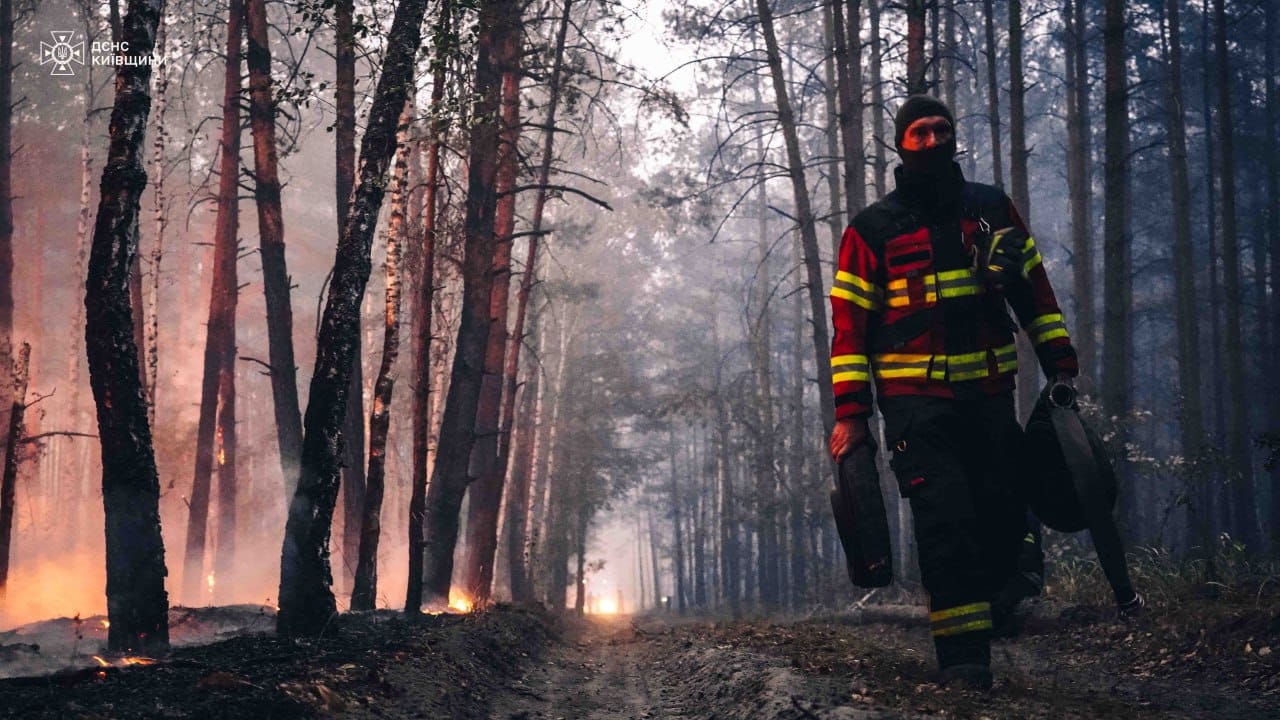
(607, 606)
(137, 661)
(101, 662)
(222, 455)
(106, 624)
(210, 582)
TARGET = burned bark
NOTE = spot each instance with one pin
(499, 30)
(9, 478)
(365, 586)
(220, 342)
(422, 318)
(137, 605)
(993, 93)
(1079, 186)
(6, 200)
(275, 273)
(916, 66)
(1117, 334)
(306, 600)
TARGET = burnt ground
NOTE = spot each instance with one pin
(1203, 659)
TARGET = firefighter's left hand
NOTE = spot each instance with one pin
(1001, 261)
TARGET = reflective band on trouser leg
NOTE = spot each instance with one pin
(968, 366)
(901, 365)
(1030, 257)
(845, 368)
(1006, 358)
(1047, 327)
(962, 619)
(856, 290)
(958, 283)
(899, 294)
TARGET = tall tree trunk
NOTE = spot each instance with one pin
(1244, 510)
(1184, 285)
(1117, 329)
(517, 518)
(1028, 368)
(831, 90)
(220, 337)
(137, 605)
(949, 56)
(486, 490)
(796, 479)
(422, 320)
(496, 49)
(916, 66)
(365, 586)
(1080, 189)
(877, 100)
(849, 73)
(804, 217)
(514, 342)
(677, 536)
(306, 601)
(1217, 386)
(159, 208)
(9, 477)
(275, 273)
(1273, 233)
(724, 470)
(224, 560)
(352, 437)
(993, 93)
(6, 204)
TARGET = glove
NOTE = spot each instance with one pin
(1000, 262)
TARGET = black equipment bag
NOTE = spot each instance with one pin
(860, 517)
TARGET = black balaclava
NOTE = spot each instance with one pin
(932, 162)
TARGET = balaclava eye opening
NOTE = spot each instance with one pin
(932, 161)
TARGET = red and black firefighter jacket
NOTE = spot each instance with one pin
(910, 308)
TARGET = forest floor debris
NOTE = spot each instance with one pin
(1200, 659)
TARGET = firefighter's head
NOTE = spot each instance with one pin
(924, 135)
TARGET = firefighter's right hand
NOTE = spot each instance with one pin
(847, 435)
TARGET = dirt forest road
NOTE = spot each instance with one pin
(1213, 659)
(877, 663)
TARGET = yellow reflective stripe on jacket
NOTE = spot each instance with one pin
(856, 290)
(1030, 257)
(968, 366)
(956, 368)
(899, 294)
(845, 368)
(1047, 327)
(958, 283)
(901, 365)
(962, 619)
(1006, 358)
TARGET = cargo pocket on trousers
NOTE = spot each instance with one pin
(904, 457)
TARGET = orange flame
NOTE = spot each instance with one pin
(458, 601)
(101, 662)
(222, 455)
(137, 661)
(106, 624)
(210, 579)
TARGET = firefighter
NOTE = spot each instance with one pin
(920, 302)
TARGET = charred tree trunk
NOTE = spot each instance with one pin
(306, 601)
(1117, 328)
(849, 80)
(1028, 368)
(352, 437)
(916, 66)
(486, 490)
(6, 201)
(220, 337)
(1244, 506)
(1184, 288)
(949, 56)
(224, 561)
(9, 478)
(275, 273)
(495, 53)
(137, 605)
(993, 93)
(831, 76)
(422, 320)
(804, 217)
(365, 586)
(1079, 187)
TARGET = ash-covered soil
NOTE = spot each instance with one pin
(1199, 660)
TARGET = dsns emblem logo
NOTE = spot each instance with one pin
(62, 52)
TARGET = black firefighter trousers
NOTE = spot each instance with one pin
(957, 461)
